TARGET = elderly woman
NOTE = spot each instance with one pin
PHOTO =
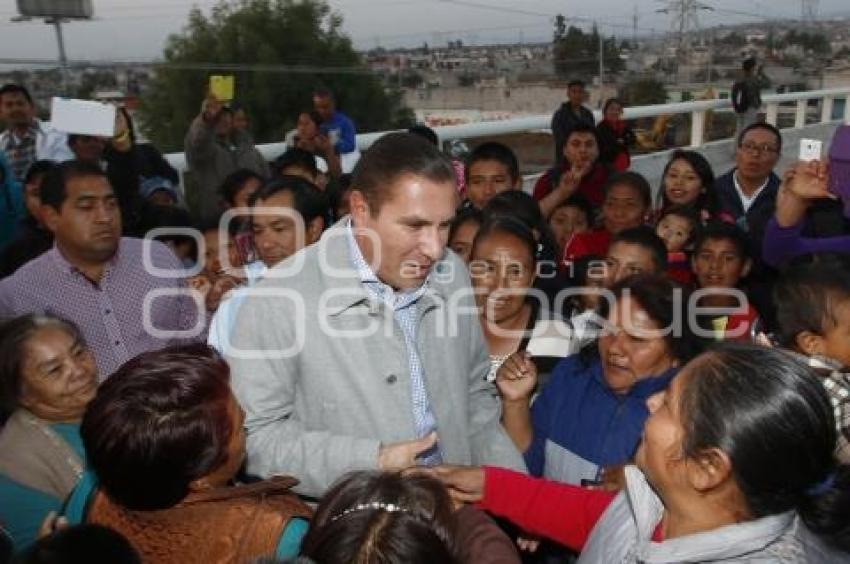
(164, 438)
(591, 413)
(514, 315)
(47, 377)
(736, 465)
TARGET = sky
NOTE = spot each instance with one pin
(136, 30)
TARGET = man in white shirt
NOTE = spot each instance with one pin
(748, 194)
(276, 237)
(27, 138)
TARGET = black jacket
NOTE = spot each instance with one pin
(564, 121)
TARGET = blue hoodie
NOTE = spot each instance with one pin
(11, 203)
(581, 425)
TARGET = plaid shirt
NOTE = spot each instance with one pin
(112, 313)
(404, 308)
(836, 381)
(21, 151)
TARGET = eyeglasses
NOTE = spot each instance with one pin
(762, 149)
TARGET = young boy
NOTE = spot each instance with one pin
(813, 312)
(490, 169)
(720, 260)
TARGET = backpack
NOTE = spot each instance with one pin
(740, 97)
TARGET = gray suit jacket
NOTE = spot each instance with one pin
(325, 407)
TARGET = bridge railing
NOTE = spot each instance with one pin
(697, 109)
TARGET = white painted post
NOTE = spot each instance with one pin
(847, 109)
(800, 118)
(772, 116)
(697, 128)
(826, 109)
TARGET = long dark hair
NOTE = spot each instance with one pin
(771, 415)
(382, 518)
(707, 199)
(521, 206)
(509, 226)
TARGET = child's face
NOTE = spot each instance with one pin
(486, 179)
(835, 341)
(674, 231)
(566, 221)
(718, 264)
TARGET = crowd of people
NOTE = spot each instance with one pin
(399, 356)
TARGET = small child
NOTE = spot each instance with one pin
(813, 314)
(589, 279)
(678, 228)
(719, 261)
(572, 216)
(463, 230)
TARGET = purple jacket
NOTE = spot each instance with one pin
(784, 243)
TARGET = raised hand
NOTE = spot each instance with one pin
(517, 377)
(211, 107)
(808, 180)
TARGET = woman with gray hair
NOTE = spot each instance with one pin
(47, 377)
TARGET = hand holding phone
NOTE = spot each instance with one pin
(810, 149)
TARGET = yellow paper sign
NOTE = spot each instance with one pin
(222, 87)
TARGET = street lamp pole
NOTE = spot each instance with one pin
(63, 58)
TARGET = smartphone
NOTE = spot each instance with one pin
(810, 149)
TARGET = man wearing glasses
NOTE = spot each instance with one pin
(748, 194)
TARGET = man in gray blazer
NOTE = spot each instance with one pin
(364, 351)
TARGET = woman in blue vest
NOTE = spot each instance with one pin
(591, 413)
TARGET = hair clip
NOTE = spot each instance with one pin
(377, 505)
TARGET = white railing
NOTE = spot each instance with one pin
(697, 109)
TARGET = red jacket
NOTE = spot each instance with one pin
(584, 244)
(562, 512)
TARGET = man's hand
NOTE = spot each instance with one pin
(398, 456)
(568, 184)
(581, 169)
(517, 377)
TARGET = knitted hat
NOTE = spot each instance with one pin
(150, 185)
(839, 166)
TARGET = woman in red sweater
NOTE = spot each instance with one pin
(615, 137)
(740, 446)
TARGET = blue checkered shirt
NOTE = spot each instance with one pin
(405, 311)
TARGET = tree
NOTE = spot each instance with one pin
(576, 53)
(281, 51)
(643, 92)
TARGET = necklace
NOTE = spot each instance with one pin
(57, 442)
